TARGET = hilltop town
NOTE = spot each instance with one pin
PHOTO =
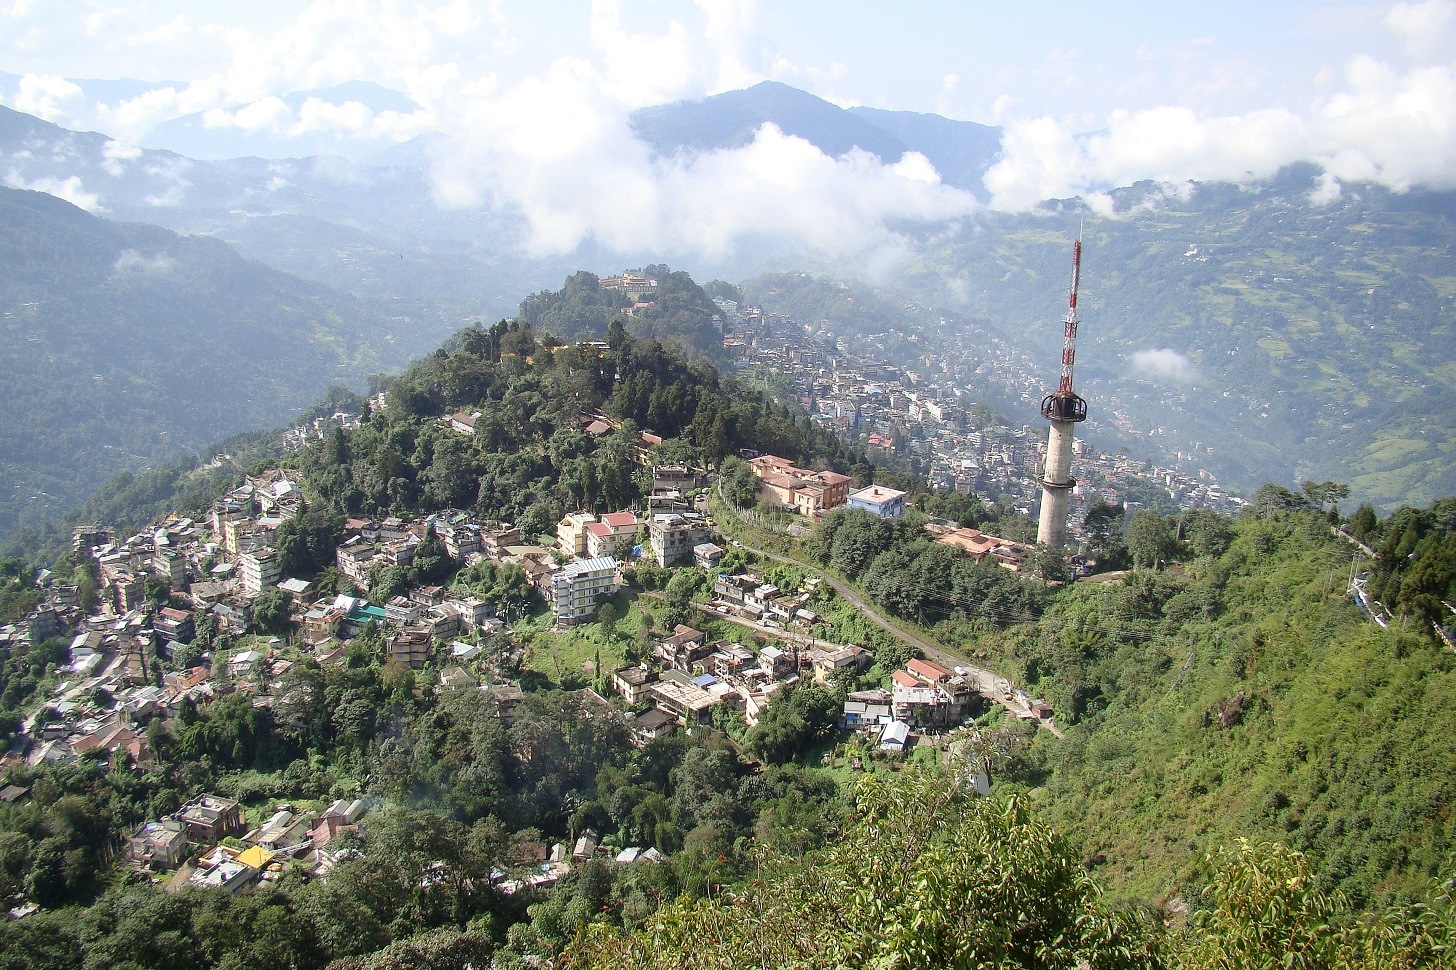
(924, 406)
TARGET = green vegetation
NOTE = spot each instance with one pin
(1321, 332)
(1241, 693)
(126, 346)
(528, 460)
(923, 878)
(678, 312)
(1226, 688)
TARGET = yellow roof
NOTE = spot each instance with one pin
(255, 857)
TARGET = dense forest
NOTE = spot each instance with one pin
(528, 460)
(678, 312)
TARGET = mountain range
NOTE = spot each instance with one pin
(1285, 330)
(126, 345)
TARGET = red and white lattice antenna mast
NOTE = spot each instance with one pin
(1069, 323)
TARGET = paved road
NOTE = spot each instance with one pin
(987, 682)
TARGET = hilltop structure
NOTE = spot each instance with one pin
(1064, 409)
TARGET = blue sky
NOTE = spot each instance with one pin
(963, 59)
(536, 95)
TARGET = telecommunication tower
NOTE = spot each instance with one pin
(1064, 409)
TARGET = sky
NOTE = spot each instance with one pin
(536, 94)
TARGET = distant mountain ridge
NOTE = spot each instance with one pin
(197, 137)
(373, 230)
(126, 345)
(1272, 310)
(961, 151)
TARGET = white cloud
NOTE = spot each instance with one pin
(271, 114)
(132, 261)
(44, 96)
(560, 147)
(1163, 365)
(114, 154)
(1427, 28)
(69, 189)
(1398, 129)
(1327, 189)
(120, 151)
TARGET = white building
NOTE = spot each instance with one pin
(259, 569)
(579, 587)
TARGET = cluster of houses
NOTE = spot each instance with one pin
(918, 405)
(540, 867)
(923, 696)
(689, 676)
(196, 832)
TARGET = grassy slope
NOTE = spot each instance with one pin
(1343, 749)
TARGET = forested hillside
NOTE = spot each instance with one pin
(1232, 691)
(677, 312)
(528, 460)
(1242, 693)
(1316, 333)
(126, 346)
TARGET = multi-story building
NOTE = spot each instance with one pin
(672, 537)
(925, 694)
(631, 683)
(175, 625)
(210, 817)
(496, 539)
(460, 540)
(571, 533)
(579, 587)
(260, 570)
(171, 566)
(687, 702)
(887, 503)
(410, 646)
(355, 558)
(807, 492)
(162, 845)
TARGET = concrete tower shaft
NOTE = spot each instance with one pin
(1056, 486)
(1064, 409)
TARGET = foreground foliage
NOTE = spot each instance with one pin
(924, 878)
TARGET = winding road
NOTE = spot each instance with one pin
(988, 682)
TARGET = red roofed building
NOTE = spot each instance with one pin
(925, 694)
(1008, 554)
(807, 492)
(925, 670)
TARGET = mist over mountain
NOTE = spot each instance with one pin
(960, 151)
(1291, 327)
(126, 345)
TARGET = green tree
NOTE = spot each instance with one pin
(1150, 539)
(273, 611)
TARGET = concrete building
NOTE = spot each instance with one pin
(409, 646)
(260, 570)
(571, 533)
(671, 537)
(807, 492)
(210, 817)
(887, 503)
(579, 587)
